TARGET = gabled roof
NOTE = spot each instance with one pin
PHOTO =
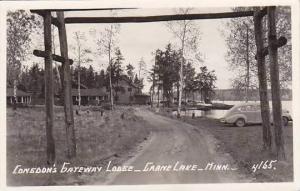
(126, 79)
(10, 92)
(75, 85)
(89, 92)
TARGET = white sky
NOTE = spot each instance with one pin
(140, 40)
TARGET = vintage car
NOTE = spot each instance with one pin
(198, 103)
(249, 113)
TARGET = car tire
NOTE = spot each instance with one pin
(240, 122)
(285, 121)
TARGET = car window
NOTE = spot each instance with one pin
(242, 108)
(248, 108)
(257, 108)
(238, 108)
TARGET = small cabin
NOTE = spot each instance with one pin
(92, 96)
(22, 97)
(141, 99)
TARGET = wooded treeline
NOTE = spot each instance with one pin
(165, 78)
(32, 78)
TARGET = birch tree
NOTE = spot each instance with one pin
(20, 26)
(106, 43)
(141, 67)
(241, 50)
(188, 35)
(81, 53)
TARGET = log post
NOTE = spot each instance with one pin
(49, 100)
(263, 87)
(275, 85)
(68, 105)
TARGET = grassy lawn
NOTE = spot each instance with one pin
(99, 139)
(245, 146)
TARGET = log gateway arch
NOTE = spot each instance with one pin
(60, 22)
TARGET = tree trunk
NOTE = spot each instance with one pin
(163, 93)
(263, 88)
(116, 91)
(193, 97)
(79, 95)
(177, 86)
(275, 85)
(68, 104)
(15, 95)
(248, 65)
(153, 83)
(181, 77)
(172, 96)
(49, 100)
(158, 96)
(110, 82)
(153, 95)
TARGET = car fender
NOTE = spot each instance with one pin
(233, 118)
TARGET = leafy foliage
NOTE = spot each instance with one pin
(129, 71)
(205, 83)
(165, 75)
(166, 70)
(20, 26)
(237, 50)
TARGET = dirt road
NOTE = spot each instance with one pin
(174, 142)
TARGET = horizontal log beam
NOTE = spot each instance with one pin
(158, 18)
(280, 42)
(55, 57)
(54, 20)
(91, 9)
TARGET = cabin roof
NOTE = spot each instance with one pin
(89, 92)
(130, 83)
(10, 92)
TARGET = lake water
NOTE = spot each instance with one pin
(217, 114)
